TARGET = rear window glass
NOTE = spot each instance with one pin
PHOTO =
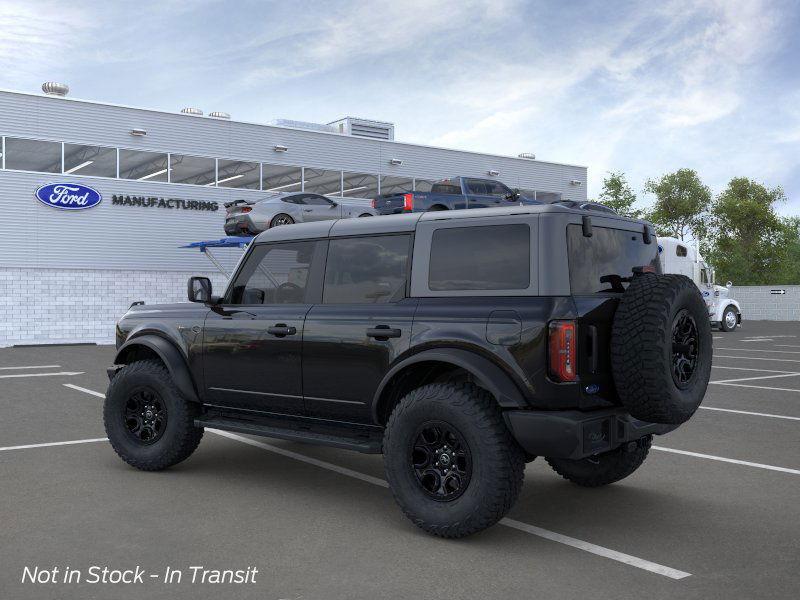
(446, 187)
(602, 262)
(493, 257)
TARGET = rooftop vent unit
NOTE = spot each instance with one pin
(527, 155)
(192, 111)
(51, 88)
(376, 130)
(303, 125)
(219, 115)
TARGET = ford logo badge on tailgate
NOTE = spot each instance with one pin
(68, 196)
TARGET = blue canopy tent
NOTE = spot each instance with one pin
(226, 242)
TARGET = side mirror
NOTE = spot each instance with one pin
(199, 289)
(334, 204)
(729, 285)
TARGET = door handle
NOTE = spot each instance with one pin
(281, 330)
(383, 332)
(308, 210)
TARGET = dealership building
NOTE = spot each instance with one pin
(161, 179)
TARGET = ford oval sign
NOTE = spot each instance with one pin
(68, 196)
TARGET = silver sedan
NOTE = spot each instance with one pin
(249, 217)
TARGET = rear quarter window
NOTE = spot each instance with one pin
(599, 263)
(492, 257)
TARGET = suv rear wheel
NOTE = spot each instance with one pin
(605, 468)
(149, 423)
(451, 462)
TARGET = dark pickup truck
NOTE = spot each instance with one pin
(452, 194)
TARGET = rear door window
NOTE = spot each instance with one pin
(366, 270)
(492, 257)
(603, 262)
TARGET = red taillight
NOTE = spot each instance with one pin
(561, 350)
(408, 202)
(373, 202)
(246, 209)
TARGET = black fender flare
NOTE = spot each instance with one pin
(495, 380)
(170, 355)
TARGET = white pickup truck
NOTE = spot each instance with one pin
(680, 258)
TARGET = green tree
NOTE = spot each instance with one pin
(617, 194)
(681, 204)
(749, 243)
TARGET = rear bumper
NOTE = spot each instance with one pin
(574, 434)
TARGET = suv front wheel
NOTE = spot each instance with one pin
(451, 462)
(149, 423)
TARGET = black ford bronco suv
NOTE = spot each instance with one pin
(459, 344)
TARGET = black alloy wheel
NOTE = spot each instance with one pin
(441, 461)
(685, 345)
(145, 416)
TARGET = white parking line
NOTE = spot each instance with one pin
(793, 360)
(729, 460)
(759, 387)
(48, 444)
(758, 350)
(32, 367)
(520, 526)
(747, 412)
(741, 369)
(84, 390)
(754, 378)
(66, 373)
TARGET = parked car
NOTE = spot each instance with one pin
(251, 217)
(677, 256)
(452, 194)
(531, 331)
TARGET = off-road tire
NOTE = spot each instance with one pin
(498, 463)
(180, 436)
(642, 348)
(723, 325)
(595, 471)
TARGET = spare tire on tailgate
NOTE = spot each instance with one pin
(661, 348)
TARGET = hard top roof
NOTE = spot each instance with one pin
(408, 222)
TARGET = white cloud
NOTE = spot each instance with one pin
(35, 37)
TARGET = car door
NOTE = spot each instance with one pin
(479, 194)
(253, 339)
(361, 326)
(319, 208)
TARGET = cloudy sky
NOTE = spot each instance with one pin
(641, 87)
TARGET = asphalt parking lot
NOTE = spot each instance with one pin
(713, 513)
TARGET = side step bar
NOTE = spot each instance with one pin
(369, 442)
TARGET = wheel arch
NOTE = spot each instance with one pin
(154, 346)
(425, 367)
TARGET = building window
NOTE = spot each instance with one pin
(424, 185)
(280, 178)
(237, 174)
(321, 181)
(681, 251)
(502, 263)
(396, 185)
(366, 270)
(96, 161)
(144, 166)
(33, 155)
(360, 185)
(194, 170)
